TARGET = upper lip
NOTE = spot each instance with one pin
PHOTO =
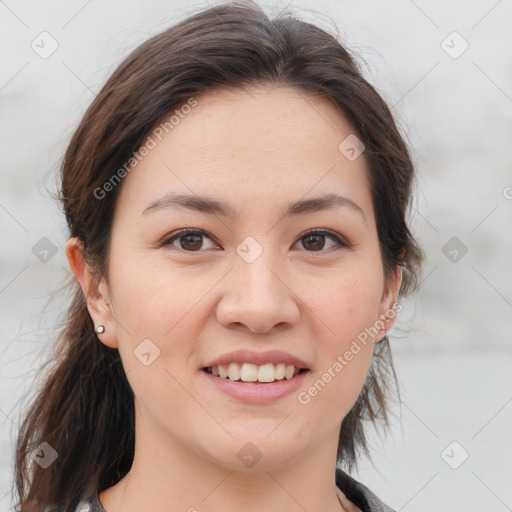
(257, 358)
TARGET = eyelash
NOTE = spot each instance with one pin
(184, 232)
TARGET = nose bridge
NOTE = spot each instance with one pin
(256, 267)
(257, 295)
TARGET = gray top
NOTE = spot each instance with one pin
(355, 492)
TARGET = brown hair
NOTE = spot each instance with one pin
(84, 408)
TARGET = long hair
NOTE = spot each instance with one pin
(84, 407)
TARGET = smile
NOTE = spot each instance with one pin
(248, 372)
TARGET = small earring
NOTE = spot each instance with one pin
(100, 329)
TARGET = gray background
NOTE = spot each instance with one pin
(452, 340)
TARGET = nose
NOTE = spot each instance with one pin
(257, 297)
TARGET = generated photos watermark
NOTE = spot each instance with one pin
(342, 360)
(151, 142)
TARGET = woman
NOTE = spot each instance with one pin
(236, 196)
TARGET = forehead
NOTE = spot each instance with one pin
(250, 144)
(270, 120)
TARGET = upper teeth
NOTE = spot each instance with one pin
(249, 372)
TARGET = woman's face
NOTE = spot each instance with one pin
(255, 279)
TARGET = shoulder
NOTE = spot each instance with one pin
(86, 503)
(359, 494)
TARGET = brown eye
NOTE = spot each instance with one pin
(315, 240)
(189, 240)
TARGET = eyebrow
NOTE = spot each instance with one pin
(210, 206)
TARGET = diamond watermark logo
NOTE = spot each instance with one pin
(454, 455)
(249, 455)
(249, 250)
(454, 45)
(146, 352)
(351, 147)
(44, 250)
(44, 455)
(44, 45)
(454, 249)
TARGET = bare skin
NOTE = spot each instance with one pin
(196, 299)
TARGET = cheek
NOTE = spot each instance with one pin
(161, 311)
(153, 312)
(150, 296)
(347, 301)
(348, 307)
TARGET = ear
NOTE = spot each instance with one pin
(387, 309)
(96, 295)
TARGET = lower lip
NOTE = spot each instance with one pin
(257, 393)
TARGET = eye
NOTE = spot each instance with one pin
(190, 240)
(191, 237)
(317, 239)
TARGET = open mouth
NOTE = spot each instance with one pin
(267, 378)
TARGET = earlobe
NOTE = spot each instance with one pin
(98, 302)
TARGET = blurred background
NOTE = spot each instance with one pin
(445, 67)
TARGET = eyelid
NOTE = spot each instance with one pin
(341, 241)
(176, 235)
(327, 232)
